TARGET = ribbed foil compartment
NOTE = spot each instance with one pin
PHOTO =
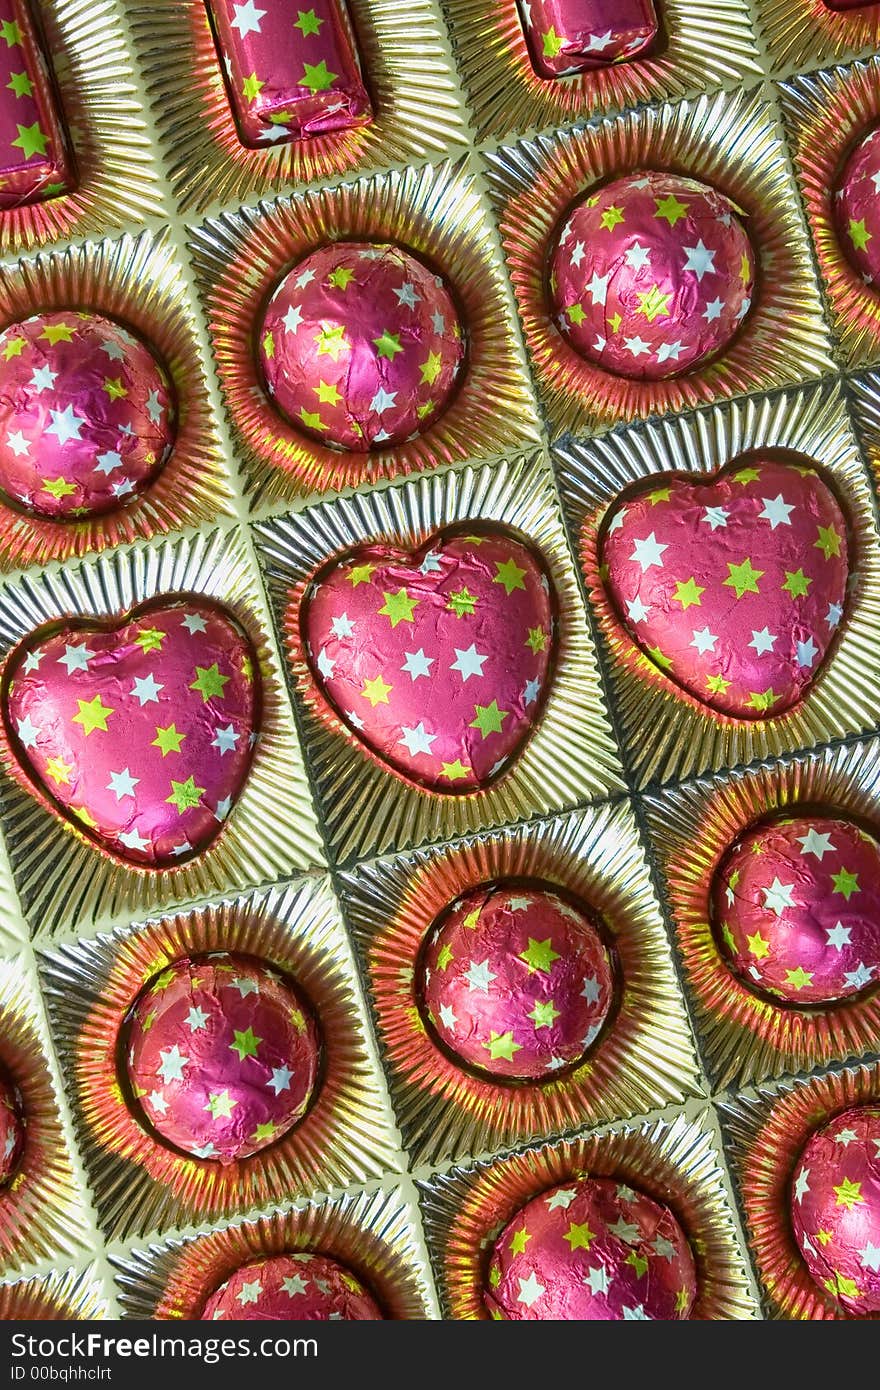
(63, 1295)
(412, 82)
(667, 733)
(745, 1036)
(570, 757)
(676, 1161)
(437, 211)
(730, 141)
(66, 880)
(802, 34)
(138, 281)
(766, 1128)
(644, 1058)
(142, 1186)
(117, 181)
(376, 1233)
(705, 43)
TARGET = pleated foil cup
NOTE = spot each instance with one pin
(865, 397)
(675, 1161)
(570, 757)
(709, 43)
(667, 733)
(439, 213)
(41, 1207)
(746, 1037)
(375, 1233)
(141, 1186)
(766, 1129)
(826, 113)
(643, 1058)
(65, 879)
(729, 141)
(116, 181)
(417, 110)
(60, 1296)
(800, 34)
(138, 282)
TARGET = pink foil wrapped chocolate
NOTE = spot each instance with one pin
(86, 414)
(437, 659)
(361, 345)
(796, 902)
(293, 1288)
(565, 36)
(139, 732)
(291, 74)
(857, 208)
(516, 981)
(733, 587)
(12, 1130)
(35, 162)
(222, 1055)
(592, 1250)
(835, 1208)
(651, 275)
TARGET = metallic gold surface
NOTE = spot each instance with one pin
(802, 34)
(60, 1296)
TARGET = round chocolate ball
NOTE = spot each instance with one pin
(11, 1128)
(592, 1249)
(835, 1208)
(796, 903)
(223, 1055)
(293, 1288)
(87, 415)
(516, 981)
(857, 208)
(651, 275)
(361, 345)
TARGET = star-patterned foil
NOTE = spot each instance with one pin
(87, 414)
(835, 1208)
(652, 275)
(735, 587)
(140, 733)
(35, 162)
(516, 981)
(222, 1056)
(361, 345)
(293, 1288)
(857, 208)
(290, 73)
(566, 36)
(796, 904)
(12, 1129)
(438, 660)
(592, 1249)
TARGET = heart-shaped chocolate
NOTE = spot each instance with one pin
(438, 659)
(141, 733)
(734, 587)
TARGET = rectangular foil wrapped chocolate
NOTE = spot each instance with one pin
(35, 162)
(567, 36)
(291, 74)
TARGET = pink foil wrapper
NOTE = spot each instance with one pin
(652, 275)
(592, 1250)
(291, 73)
(797, 905)
(86, 414)
(733, 587)
(142, 732)
(857, 208)
(11, 1130)
(847, 4)
(835, 1208)
(35, 162)
(516, 981)
(222, 1056)
(293, 1288)
(361, 345)
(437, 660)
(565, 36)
